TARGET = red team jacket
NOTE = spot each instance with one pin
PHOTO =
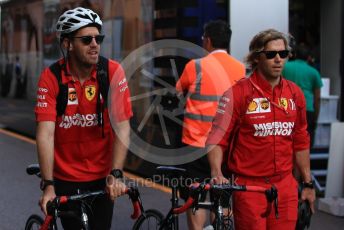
(265, 136)
(80, 151)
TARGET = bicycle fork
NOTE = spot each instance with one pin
(84, 217)
(219, 215)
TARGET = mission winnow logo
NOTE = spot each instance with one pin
(273, 129)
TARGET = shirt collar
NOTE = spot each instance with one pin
(264, 84)
(218, 51)
(69, 78)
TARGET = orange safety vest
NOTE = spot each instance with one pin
(204, 81)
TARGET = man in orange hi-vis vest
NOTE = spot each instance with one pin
(203, 82)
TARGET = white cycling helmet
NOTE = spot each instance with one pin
(74, 19)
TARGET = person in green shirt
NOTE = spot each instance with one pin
(309, 80)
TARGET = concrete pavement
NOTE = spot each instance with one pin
(20, 192)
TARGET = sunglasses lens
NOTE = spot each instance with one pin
(99, 39)
(272, 54)
(283, 53)
(86, 39)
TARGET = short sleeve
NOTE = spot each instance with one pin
(317, 80)
(47, 90)
(185, 79)
(119, 104)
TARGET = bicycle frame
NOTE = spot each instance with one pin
(271, 195)
(172, 218)
(153, 218)
(53, 207)
(54, 212)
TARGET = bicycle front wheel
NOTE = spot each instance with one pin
(149, 220)
(34, 222)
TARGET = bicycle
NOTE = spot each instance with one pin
(54, 212)
(154, 219)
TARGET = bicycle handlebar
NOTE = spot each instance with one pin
(53, 205)
(229, 187)
(132, 192)
(189, 202)
(46, 222)
(134, 196)
(197, 188)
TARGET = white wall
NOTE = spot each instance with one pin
(330, 39)
(248, 17)
(335, 167)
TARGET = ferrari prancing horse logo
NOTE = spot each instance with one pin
(283, 102)
(90, 92)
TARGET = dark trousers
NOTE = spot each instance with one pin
(311, 126)
(100, 208)
(198, 171)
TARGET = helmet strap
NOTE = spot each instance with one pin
(65, 60)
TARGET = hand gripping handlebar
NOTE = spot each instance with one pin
(53, 206)
(196, 188)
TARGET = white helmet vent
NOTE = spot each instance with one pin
(74, 19)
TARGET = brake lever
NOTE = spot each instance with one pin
(272, 196)
(134, 195)
(196, 194)
(195, 204)
(52, 207)
(276, 207)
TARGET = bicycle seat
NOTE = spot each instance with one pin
(33, 169)
(170, 171)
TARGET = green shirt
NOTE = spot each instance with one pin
(306, 77)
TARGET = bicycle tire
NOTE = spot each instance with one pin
(32, 221)
(150, 219)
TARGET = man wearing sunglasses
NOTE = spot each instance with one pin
(79, 149)
(261, 130)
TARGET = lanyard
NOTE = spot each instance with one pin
(260, 91)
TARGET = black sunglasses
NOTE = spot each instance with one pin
(272, 54)
(86, 40)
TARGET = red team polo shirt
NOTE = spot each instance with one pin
(80, 151)
(268, 136)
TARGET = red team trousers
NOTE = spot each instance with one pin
(250, 207)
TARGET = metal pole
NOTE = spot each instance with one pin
(0, 27)
(341, 115)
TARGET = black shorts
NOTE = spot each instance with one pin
(198, 171)
(101, 206)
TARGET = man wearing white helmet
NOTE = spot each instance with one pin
(78, 149)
